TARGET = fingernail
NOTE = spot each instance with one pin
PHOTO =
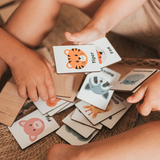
(52, 99)
(130, 98)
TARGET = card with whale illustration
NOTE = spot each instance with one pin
(96, 88)
(133, 79)
(76, 58)
(32, 127)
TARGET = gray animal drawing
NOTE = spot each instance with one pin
(98, 87)
(81, 138)
(132, 79)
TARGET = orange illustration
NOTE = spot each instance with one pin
(52, 103)
(94, 110)
(76, 58)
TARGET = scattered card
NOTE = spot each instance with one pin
(76, 59)
(133, 79)
(96, 88)
(96, 115)
(79, 117)
(112, 120)
(47, 106)
(107, 55)
(32, 127)
(54, 111)
(82, 129)
(73, 137)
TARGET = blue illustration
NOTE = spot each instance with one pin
(81, 138)
(98, 87)
(132, 79)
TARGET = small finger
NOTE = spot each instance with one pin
(137, 96)
(42, 91)
(51, 88)
(32, 92)
(22, 91)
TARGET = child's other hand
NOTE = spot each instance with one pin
(150, 93)
(32, 74)
(88, 34)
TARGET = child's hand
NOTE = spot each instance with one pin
(32, 74)
(88, 34)
(150, 92)
(3, 67)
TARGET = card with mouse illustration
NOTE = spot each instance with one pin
(76, 58)
(32, 127)
(96, 88)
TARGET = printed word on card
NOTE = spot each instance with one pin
(107, 55)
(133, 80)
(76, 58)
(96, 88)
(32, 127)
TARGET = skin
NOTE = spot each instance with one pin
(137, 143)
(134, 144)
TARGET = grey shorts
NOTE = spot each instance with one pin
(143, 25)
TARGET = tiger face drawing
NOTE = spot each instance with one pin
(76, 58)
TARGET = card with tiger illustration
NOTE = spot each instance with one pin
(76, 58)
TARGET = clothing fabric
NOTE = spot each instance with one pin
(143, 25)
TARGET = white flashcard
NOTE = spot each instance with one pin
(133, 79)
(79, 117)
(45, 107)
(112, 120)
(54, 111)
(32, 127)
(96, 115)
(107, 55)
(96, 88)
(73, 137)
(69, 105)
(76, 58)
(82, 129)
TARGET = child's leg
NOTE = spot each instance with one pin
(3, 67)
(33, 20)
(139, 143)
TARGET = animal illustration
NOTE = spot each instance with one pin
(98, 86)
(94, 110)
(33, 127)
(81, 138)
(76, 58)
(101, 55)
(52, 103)
(132, 79)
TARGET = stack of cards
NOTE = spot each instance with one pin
(81, 125)
(85, 58)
